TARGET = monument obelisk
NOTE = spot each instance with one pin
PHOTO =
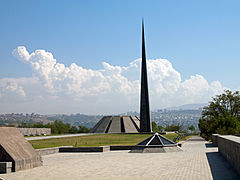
(145, 121)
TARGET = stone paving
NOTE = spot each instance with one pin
(197, 161)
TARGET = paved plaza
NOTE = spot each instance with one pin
(198, 161)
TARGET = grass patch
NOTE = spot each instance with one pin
(170, 136)
(186, 138)
(90, 140)
(94, 140)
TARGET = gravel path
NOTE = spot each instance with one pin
(197, 161)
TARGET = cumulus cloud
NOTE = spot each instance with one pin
(11, 92)
(111, 89)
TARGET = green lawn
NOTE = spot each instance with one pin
(94, 140)
(170, 136)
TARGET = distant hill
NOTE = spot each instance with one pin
(188, 107)
(186, 115)
(77, 119)
(73, 119)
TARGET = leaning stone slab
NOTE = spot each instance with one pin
(84, 149)
(16, 149)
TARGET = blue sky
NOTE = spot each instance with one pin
(197, 37)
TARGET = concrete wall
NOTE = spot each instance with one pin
(53, 150)
(120, 148)
(229, 147)
(215, 139)
(47, 151)
(35, 131)
(84, 149)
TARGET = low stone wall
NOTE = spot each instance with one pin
(119, 148)
(47, 151)
(229, 147)
(84, 149)
(215, 139)
(35, 131)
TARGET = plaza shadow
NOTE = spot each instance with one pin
(209, 145)
(220, 168)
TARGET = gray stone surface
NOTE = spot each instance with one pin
(35, 131)
(128, 124)
(16, 149)
(115, 125)
(47, 151)
(229, 147)
(195, 162)
(103, 125)
(136, 122)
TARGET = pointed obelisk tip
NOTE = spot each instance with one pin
(145, 121)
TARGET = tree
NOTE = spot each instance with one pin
(160, 128)
(83, 129)
(11, 125)
(57, 127)
(191, 128)
(173, 127)
(154, 126)
(221, 116)
(73, 130)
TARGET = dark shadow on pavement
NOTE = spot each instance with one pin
(220, 168)
(209, 145)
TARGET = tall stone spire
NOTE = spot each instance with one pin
(145, 121)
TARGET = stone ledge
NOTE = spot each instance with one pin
(229, 147)
(47, 151)
(84, 149)
(119, 148)
(53, 150)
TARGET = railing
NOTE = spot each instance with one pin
(180, 136)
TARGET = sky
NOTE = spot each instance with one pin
(84, 56)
